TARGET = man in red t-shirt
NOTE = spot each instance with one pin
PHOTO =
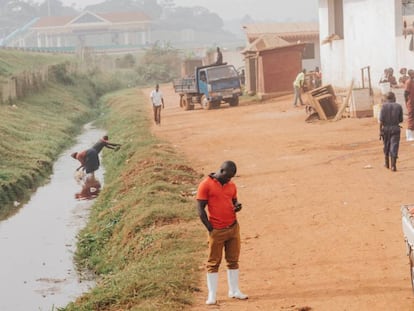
(219, 194)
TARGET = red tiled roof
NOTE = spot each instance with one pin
(51, 21)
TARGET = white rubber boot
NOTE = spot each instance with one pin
(233, 280)
(212, 282)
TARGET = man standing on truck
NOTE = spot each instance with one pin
(219, 60)
(157, 101)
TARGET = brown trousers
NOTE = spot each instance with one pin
(157, 114)
(229, 239)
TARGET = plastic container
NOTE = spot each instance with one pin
(385, 87)
(409, 135)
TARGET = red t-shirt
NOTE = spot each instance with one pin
(219, 201)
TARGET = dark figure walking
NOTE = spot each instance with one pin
(391, 116)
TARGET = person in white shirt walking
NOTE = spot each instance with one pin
(157, 101)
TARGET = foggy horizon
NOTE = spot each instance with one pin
(259, 10)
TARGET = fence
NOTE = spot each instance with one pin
(19, 85)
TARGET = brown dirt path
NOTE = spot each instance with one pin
(321, 225)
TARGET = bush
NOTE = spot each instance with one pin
(158, 65)
(60, 73)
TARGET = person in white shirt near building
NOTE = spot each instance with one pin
(298, 86)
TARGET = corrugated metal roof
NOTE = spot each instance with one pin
(115, 18)
(290, 31)
(281, 28)
(266, 41)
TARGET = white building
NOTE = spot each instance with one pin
(357, 34)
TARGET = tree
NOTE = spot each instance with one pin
(149, 7)
(55, 8)
(160, 64)
(15, 14)
(197, 18)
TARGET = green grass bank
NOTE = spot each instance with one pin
(33, 132)
(143, 240)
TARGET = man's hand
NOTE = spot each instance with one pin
(237, 207)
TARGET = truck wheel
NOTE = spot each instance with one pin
(185, 104)
(234, 101)
(411, 257)
(205, 103)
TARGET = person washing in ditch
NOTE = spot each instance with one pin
(89, 158)
(104, 142)
(219, 194)
(391, 116)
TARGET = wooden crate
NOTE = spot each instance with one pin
(323, 101)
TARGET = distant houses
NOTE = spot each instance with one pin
(98, 30)
(109, 31)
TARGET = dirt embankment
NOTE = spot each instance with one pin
(321, 225)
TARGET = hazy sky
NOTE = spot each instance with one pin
(283, 10)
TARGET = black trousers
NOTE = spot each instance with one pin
(391, 140)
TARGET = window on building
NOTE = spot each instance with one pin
(309, 51)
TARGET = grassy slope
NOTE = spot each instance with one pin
(144, 237)
(34, 130)
(14, 61)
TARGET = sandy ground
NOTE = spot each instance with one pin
(321, 224)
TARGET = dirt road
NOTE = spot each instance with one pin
(321, 225)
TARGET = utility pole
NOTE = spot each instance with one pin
(48, 7)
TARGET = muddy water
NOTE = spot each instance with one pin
(37, 271)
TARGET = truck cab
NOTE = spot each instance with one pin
(209, 86)
(216, 84)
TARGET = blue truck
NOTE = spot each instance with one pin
(210, 86)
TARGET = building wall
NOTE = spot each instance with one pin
(310, 64)
(371, 31)
(278, 69)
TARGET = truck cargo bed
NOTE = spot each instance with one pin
(185, 85)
